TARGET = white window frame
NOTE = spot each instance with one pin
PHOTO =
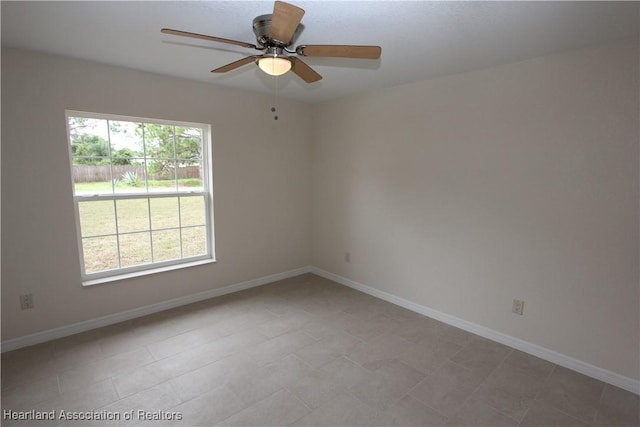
(121, 273)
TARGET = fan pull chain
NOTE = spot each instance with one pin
(274, 109)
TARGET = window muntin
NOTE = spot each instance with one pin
(142, 192)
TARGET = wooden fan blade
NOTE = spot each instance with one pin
(284, 21)
(340, 51)
(205, 37)
(234, 65)
(305, 72)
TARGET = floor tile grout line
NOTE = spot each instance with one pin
(185, 349)
(524, 417)
(537, 395)
(247, 406)
(299, 400)
(423, 403)
(351, 393)
(146, 344)
(567, 414)
(599, 407)
(556, 408)
(482, 382)
(408, 393)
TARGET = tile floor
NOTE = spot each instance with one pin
(305, 352)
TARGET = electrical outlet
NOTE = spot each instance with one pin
(26, 301)
(518, 307)
(347, 256)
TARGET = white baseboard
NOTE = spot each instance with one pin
(63, 331)
(604, 375)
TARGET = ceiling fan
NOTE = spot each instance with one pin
(275, 33)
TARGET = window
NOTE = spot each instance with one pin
(142, 194)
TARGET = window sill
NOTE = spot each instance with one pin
(115, 278)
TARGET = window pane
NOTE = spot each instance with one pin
(126, 141)
(127, 156)
(188, 144)
(194, 241)
(162, 170)
(130, 178)
(166, 245)
(162, 175)
(91, 179)
(97, 218)
(159, 141)
(89, 139)
(133, 215)
(190, 177)
(164, 213)
(135, 249)
(100, 253)
(90, 152)
(192, 211)
(189, 157)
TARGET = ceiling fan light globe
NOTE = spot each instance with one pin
(274, 66)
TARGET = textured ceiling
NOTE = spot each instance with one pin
(419, 39)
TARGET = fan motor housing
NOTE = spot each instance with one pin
(261, 28)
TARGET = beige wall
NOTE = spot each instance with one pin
(465, 192)
(459, 193)
(261, 184)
